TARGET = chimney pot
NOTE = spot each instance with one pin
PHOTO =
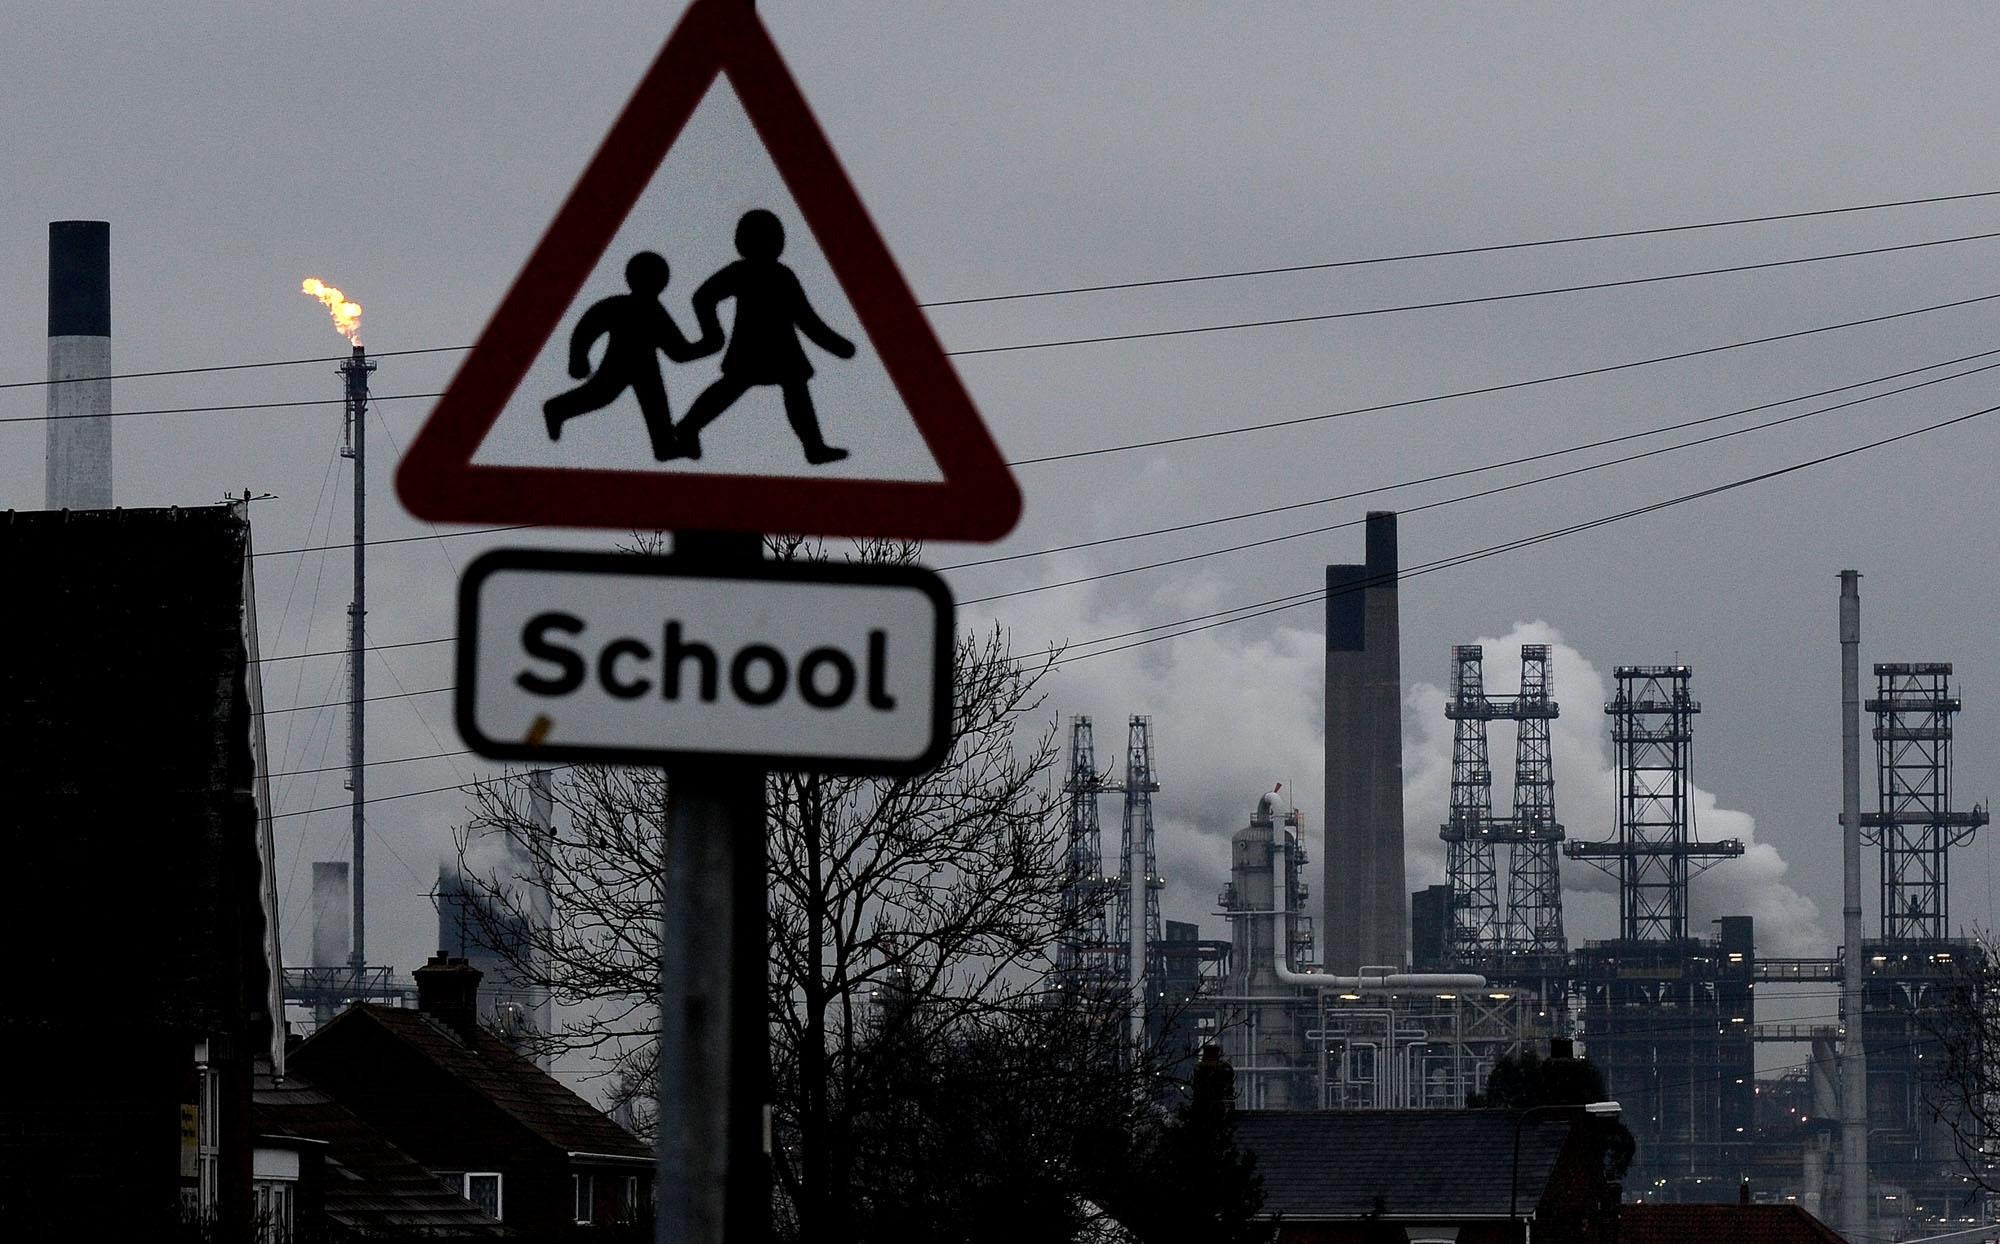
(448, 991)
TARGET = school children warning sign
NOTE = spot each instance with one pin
(712, 335)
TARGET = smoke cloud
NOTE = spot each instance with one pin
(1233, 717)
(1787, 922)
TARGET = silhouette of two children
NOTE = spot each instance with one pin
(763, 346)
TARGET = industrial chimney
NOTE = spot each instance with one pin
(79, 426)
(1367, 917)
(332, 933)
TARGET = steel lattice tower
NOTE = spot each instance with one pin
(1084, 956)
(1913, 823)
(1475, 893)
(1534, 888)
(1652, 732)
(1140, 785)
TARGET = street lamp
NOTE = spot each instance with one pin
(1595, 1109)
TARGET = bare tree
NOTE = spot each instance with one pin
(911, 923)
(598, 955)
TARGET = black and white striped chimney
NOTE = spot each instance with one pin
(79, 437)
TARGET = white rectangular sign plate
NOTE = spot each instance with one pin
(633, 659)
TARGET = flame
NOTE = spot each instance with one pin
(346, 312)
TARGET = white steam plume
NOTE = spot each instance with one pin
(1787, 922)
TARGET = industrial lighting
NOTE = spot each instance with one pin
(1350, 997)
(1499, 997)
(1447, 997)
(1603, 1109)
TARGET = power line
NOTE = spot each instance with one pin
(475, 531)
(1457, 251)
(432, 535)
(1382, 259)
(395, 695)
(1414, 509)
(1322, 316)
(191, 371)
(1444, 475)
(341, 652)
(1500, 488)
(412, 794)
(371, 764)
(210, 410)
(1502, 388)
(1279, 604)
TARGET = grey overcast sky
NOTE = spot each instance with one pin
(411, 154)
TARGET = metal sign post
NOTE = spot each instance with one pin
(715, 1069)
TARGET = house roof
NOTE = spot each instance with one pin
(1722, 1224)
(1420, 1163)
(484, 1064)
(371, 1186)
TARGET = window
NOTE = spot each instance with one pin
(585, 1194)
(274, 1211)
(482, 1188)
(208, 1128)
(274, 1175)
(628, 1199)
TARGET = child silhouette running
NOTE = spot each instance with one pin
(637, 326)
(771, 310)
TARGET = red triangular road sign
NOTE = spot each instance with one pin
(944, 479)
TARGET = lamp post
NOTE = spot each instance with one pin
(1595, 1109)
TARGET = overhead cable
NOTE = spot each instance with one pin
(1500, 488)
(1456, 251)
(1501, 388)
(1323, 316)
(1382, 259)
(1279, 604)
(1473, 470)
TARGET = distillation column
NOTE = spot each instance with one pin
(1469, 870)
(1083, 957)
(1534, 888)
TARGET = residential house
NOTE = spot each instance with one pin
(513, 1139)
(324, 1174)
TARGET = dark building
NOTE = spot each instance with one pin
(1186, 1016)
(1361, 1176)
(1366, 917)
(143, 956)
(1672, 1025)
(335, 1177)
(458, 1100)
(1430, 929)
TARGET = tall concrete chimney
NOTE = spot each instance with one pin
(332, 932)
(1367, 913)
(1855, 1200)
(330, 927)
(79, 427)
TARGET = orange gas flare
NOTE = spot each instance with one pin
(346, 313)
